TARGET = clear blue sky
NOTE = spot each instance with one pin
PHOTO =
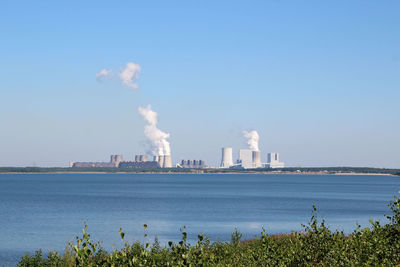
(319, 80)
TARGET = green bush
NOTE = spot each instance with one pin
(316, 245)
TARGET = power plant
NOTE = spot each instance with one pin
(160, 147)
(250, 158)
(116, 161)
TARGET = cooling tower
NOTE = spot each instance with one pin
(142, 158)
(161, 161)
(167, 161)
(256, 156)
(118, 158)
(226, 161)
(137, 158)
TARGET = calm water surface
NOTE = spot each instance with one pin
(48, 210)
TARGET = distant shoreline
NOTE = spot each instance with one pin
(298, 171)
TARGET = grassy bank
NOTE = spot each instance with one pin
(317, 245)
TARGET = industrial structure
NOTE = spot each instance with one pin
(273, 161)
(245, 159)
(138, 165)
(141, 162)
(193, 164)
(256, 159)
(163, 161)
(116, 161)
(141, 158)
(249, 159)
(227, 160)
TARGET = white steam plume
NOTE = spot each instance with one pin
(130, 74)
(104, 73)
(252, 139)
(158, 138)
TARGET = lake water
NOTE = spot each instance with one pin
(48, 210)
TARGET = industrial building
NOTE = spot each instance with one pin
(249, 159)
(92, 165)
(273, 161)
(141, 162)
(138, 164)
(114, 161)
(193, 164)
(245, 158)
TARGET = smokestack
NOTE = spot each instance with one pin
(256, 156)
(226, 161)
(167, 161)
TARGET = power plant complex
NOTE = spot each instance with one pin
(116, 161)
(249, 159)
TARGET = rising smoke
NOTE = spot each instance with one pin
(252, 139)
(158, 138)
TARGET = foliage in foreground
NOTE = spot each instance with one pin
(316, 245)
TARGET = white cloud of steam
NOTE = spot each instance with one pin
(130, 74)
(252, 139)
(158, 138)
(103, 74)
